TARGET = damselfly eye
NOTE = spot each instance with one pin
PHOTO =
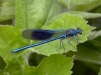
(79, 30)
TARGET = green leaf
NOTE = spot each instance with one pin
(50, 65)
(27, 70)
(35, 13)
(2, 63)
(94, 35)
(8, 36)
(65, 22)
(90, 51)
(88, 7)
(55, 65)
(7, 10)
(70, 3)
(85, 15)
(99, 72)
(1, 73)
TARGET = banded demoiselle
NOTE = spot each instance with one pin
(46, 36)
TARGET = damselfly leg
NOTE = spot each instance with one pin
(61, 44)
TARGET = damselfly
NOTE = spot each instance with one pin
(47, 36)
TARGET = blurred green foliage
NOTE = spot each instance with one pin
(17, 15)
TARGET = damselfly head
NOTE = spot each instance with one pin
(79, 30)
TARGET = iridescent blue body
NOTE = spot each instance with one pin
(46, 36)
